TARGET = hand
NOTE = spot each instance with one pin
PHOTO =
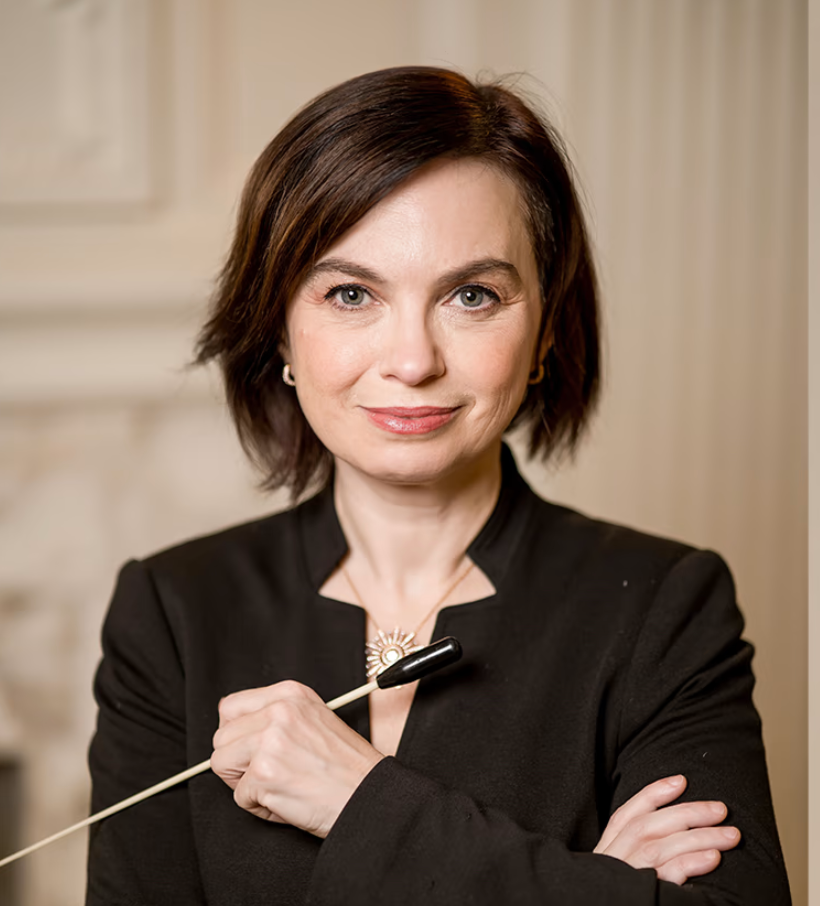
(679, 842)
(287, 757)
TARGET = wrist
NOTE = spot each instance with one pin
(354, 780)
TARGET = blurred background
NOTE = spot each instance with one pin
(126, 129)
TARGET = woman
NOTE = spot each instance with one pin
(411, 277)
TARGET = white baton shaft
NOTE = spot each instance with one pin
(408, 669)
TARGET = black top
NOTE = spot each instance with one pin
(606, 660)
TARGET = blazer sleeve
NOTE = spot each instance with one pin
(686, 708)
(146, 853)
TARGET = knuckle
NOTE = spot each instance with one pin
(651, 855)
(640, 827)
(291, 688)
(272, 738)
(278, 714)
(228, 706)
(218, 765)
(619, 819)
(269, 801)
(299, 692)
(705, 813)
(264, 771)
(681, 864)
(674, 871)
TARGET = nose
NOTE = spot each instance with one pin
(411, 353)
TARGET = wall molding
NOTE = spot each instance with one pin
(122, 361)
(79, 132)
(156, 297)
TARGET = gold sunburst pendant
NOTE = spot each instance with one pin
(387, 648)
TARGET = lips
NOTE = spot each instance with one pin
(411, 420)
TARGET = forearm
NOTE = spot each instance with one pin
(415, 841)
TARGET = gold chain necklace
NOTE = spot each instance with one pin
(389, 647)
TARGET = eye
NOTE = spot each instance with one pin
(348, 296)
(476, 297)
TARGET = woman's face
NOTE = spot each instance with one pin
(412, 339)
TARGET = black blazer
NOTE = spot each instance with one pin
(606, 660)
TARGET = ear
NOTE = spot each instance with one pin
(547, 335)
(543, 348)
(283, 347)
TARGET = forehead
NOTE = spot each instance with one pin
(447, 212)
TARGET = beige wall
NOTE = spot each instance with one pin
(126, 127)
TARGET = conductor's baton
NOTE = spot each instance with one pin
(410, 668)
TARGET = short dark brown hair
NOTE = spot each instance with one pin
(336, 159)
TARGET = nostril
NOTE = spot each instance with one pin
(413, 358)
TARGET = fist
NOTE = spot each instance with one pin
(288, 757)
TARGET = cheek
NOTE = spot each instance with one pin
(324, 359)
(500, 367)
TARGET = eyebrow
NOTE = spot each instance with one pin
(457, 275)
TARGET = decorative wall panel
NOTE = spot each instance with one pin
(74, 102)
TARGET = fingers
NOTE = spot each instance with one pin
(659, 851)
(649, 841)
(249, 796)
(246, 720)
(230, 762)
(278, 713)
(691, 865)
(673, 819)
(271, 729)
(650, 798)
(240, 704)
(679, 841)
(291, 760)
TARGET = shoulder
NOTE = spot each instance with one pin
(658, 614)
(207, 588)
(261, 558)
(626, 583)
(274, 535)
(601, 550)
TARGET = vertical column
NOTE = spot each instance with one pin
(11, 783)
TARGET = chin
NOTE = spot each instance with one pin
(412, 462)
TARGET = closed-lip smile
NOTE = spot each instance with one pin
(410, 419)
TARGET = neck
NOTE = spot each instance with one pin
(408, 539)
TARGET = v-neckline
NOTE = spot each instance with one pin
(324, 546)
(406, 736)
(442, 617)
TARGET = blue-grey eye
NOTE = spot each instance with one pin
(351, 295)
(472, 297)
